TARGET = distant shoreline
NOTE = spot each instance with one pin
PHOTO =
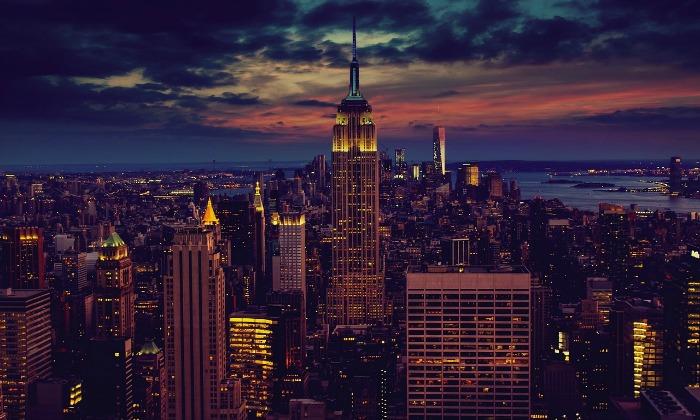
(560, 168)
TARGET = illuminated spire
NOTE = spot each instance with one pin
(257, 200)
(354, 88)
(209, 217)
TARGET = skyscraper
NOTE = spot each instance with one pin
(455, 251)
(600, 290)
(259, 246)
(636, 347)
(614, 226)
(468, 341)
(235, 214)
(439, 149)
(109, 379)
(25, 345)
(467, 179)
(253, 357)
(114, 292)
(292, 242)
(356, 293)
(22, 263)
(682, 322)
(195, 342)
(149, 382)
(495, 183)
(400, 163)
(319, 169)
(676, 176)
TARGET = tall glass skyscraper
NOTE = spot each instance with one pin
(439, 149)
(356, 294)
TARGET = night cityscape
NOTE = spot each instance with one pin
(204, 214)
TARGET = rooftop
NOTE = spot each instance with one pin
(467, 269)
(113, 240)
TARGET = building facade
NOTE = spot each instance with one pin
(25, 346)
(195, 342)
(114, 291)
(22, 263)
(468, 336)
(356, 292)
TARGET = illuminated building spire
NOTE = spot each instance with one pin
(209, 217)
(257, 200)
(354, 88)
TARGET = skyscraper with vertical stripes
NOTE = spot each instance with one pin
(356, 293)
(195, 337)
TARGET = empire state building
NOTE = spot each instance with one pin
(356, 292)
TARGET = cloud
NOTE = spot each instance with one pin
(314, 103)
(236, 98)
(371, 14)
(667, 118)
(445, 94)
(203, 69)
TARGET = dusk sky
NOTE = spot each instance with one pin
(120, 81)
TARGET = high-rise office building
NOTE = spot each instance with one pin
(495, 183)
(439, 149)
(195, 342)
(109, 379)
(637, 347)
(468, 335)
(600, 289)
(590, 354)
(25, 345)
(614, 226)
(71, 270)
(292, 243)
(400, 165)
(455, 251)
(675, 176)
(259, 247)
(114, 291)
(415, 171)
(56, 398)
(361, 364)
(540, 333)
(319, 172)
(682, 322)
(149, 382)
(22, 258)
(468, 174)
(236, 219)
(356, 292)
(252, 356)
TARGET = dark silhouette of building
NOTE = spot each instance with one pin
(675, 182)
(22, 264)
(150, 378)
(682, 322)
(109, 379)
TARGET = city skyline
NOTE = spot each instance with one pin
(410, 278)
(232, 84)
